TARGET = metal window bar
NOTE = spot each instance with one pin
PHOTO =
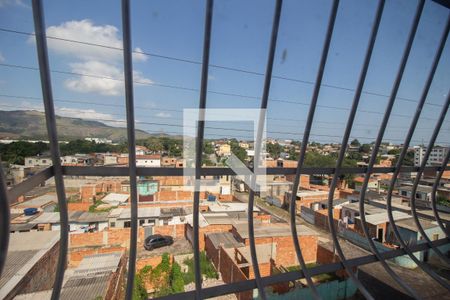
(337, 172)
(376, 147)
(57, 171)
(419, 175)
(258, 141)
(47, 95)
(402, 155)
(304, 144)
(199, 144)
(4, 219)
(129, 98)
(433, 195)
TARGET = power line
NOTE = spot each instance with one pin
(228, 129)
(233, 69)
(196, 90)
(180, 111)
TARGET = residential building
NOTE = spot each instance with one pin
(98, 140)
(38, 161)
(153, 160)
(437, 155)
(223, 149)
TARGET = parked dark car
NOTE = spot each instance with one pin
(156, 241)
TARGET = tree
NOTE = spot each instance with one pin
(364, 148)
(238, 150)
(274, 150)
(208, 148)
(355, 143)
(15, 153)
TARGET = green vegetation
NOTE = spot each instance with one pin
(176, 278)
(441, 200)
(93, 207)
(139, 291)
(238, 150)
(166, 278)
(274, 150)
(168, 145)
(206, 268)
(355, 143)
(83, 146)
(15, 153)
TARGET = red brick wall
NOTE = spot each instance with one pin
(232, 273)
(205, 230)
(321, 218)
(110, 237)
(285, 251)
(87, 192)
(325, 256)
(75, 257)
(86, 239)
(78, 206)
(176, 231)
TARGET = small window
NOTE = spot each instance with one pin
(44, 161)
(404, 193)
(127, 224)
(435, 236)
(141, 222)
(112, 224)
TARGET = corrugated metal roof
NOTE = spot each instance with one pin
(20, 227)
(272, 230)
(14, 262)
(93, 217)
(143, 212)
(382, 217)
(85, 288)
(38, 201)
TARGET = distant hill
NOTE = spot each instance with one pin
(30, 124)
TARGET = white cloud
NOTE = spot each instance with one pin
(89, 114)
(163, 115)
(4, 3)
(86, 31)
(108, 79)
(2, 58)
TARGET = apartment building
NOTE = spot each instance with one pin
(437, 155)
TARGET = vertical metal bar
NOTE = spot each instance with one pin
(307, 131)
(405, 149)
(4, 219)
(362, 78)
(376, 147)
(258, 141)
(433, 195)
(44, 71)
(199, 143)
(129, 98)
(419, 175)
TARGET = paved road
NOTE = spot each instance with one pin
(373, 275)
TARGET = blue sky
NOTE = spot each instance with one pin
(240, 39)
